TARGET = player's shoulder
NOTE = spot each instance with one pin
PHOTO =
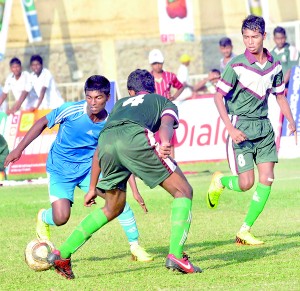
(241, 58)
(9, 77)
(73, 107)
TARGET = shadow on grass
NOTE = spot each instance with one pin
(240, 254)
(248, 253)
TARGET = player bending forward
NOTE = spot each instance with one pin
(70, 158)
(127, 145)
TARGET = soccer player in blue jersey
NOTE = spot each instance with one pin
(245, 85)
(127, 145)
(70, 158)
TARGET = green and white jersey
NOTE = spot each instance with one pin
(288, 56)
(144, 109)
(246, 85)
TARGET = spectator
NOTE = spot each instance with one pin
(164, 81)
(287, 54)
(18, 82)
(226, 47)
(44, 85)
(183, 76)
(208, 85)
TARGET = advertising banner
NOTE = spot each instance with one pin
(176, 22)
(5, 12)
(3, 118)
(33, 159)
(31, 20)
(201, 134)
(288, 148)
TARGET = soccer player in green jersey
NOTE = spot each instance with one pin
(287, 54)
(127, 145)
(245, 85)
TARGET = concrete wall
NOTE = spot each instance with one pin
(114, 37)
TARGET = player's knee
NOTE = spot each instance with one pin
(185, 191)
(112, 213)
(246, 184)
(60, 219)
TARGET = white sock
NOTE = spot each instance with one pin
(133, 244)
(245, 227)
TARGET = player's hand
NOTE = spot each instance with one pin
(292, 127)
(293, 130)
(31, 109)
(164, 150)
(89, 198)
(237, 136)
(137, 196)
(12, 157)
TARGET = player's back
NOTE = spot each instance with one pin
(145, 110)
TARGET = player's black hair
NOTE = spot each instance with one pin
(15, 61)
(37, 58)
(97, 83)
(216, 71)
(279, 29)
(254, 23)
(141, 80)
(225, 41)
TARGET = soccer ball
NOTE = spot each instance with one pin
(36, 253)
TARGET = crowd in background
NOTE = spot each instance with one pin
(38, 90)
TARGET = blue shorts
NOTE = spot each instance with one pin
(64, 177)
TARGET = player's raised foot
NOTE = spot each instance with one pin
(215, 190)
(182, 265)
(246, 238)
(62, 266)
(42, 228)
(139, 254)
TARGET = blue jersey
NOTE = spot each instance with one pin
(77, 137)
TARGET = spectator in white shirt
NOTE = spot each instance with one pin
(17, 82)
(43, 85)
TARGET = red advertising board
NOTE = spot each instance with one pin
(33, 159)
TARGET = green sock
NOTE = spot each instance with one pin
(258, 203)
(90, 224)
(180, 224)
(231, 182)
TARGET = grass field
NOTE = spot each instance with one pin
(104, 262)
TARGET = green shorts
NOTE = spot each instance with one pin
(130, 148)
(259, 147)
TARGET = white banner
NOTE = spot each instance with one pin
(202, 135)
(5, 12)
(176, 22)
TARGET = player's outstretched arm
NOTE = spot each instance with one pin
(136, 194)
(32, 134)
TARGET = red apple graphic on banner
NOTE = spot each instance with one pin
(176, 8)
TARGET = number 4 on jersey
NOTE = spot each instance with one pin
(134, 101)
